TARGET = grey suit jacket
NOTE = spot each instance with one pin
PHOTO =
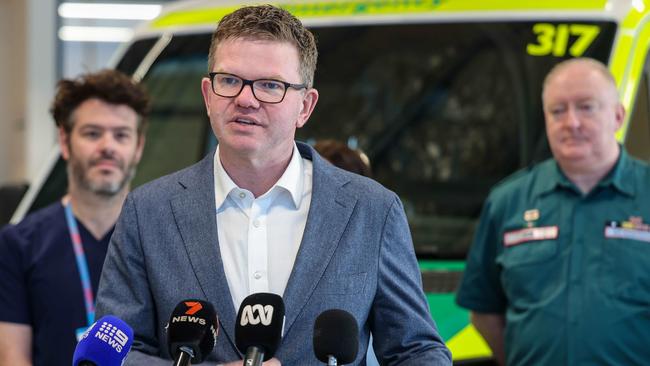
(356, 254)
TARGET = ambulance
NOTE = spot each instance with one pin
(442, 95)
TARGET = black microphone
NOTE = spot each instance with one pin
(336, 337)
(192, 331)
(258, 330)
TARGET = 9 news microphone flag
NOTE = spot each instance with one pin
(105, 343)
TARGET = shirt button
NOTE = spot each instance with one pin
(256, 223)
(242, 195)
(257, 275)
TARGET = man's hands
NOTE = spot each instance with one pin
(271, 362)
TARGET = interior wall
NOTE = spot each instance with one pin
(12, 91)
(28, 68)
(41, 75)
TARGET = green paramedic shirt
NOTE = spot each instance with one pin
(571, 272)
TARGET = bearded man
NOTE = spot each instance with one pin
(50, 263)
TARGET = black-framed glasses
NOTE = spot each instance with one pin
(265, 90)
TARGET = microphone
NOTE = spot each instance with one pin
(192, 331)
(259, 327)
(336, 337)
(105, 343)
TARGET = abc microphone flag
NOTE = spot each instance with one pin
(105, 343)
(192, 331)
(258, 327)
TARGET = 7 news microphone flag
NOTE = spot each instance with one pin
(192, 331)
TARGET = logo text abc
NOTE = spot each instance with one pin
(255, 314)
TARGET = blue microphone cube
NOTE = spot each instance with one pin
(105, 343)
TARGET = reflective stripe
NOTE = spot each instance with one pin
(378, 7)
(468, 344)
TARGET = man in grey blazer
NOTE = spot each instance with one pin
(263, 213)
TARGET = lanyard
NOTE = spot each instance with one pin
(82, 264)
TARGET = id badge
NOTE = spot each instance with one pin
(530, 234)
(80, 332)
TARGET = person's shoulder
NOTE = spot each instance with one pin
(160, 185)
(176, 182)
(521, 181)
(639, 171)
(33, 225)
(357, 183)
(42, 217)
(638, 165)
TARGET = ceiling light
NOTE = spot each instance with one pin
(95, 34)
(109, 11)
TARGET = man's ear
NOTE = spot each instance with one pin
(64, 143)
(140, 148)
(308, 103)
(206, 90)
(619, 114)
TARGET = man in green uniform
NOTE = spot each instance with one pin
(559, 273)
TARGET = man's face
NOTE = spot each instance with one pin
(103, 147)
(244, 126)
(582, 115)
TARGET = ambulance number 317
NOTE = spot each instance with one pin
(557, 39)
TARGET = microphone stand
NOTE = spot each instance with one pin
(254, 356)
(331, 361)
(184, 356)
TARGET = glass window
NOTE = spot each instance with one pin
(134, 55)
(443, 111)
(178, 129)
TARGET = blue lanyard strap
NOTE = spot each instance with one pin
(82, 264)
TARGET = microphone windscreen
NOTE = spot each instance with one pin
(259, 323)
(105, 343)
(194, 325)
(336, 333)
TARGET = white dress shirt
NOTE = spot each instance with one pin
(259, 237)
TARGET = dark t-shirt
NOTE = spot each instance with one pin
(40, 284)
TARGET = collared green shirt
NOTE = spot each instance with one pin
(571, 272)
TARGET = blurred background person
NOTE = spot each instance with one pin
(51, 261)
(344, 157)
(558, 271)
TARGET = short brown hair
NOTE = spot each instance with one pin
(269, 23)
(110, 86)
